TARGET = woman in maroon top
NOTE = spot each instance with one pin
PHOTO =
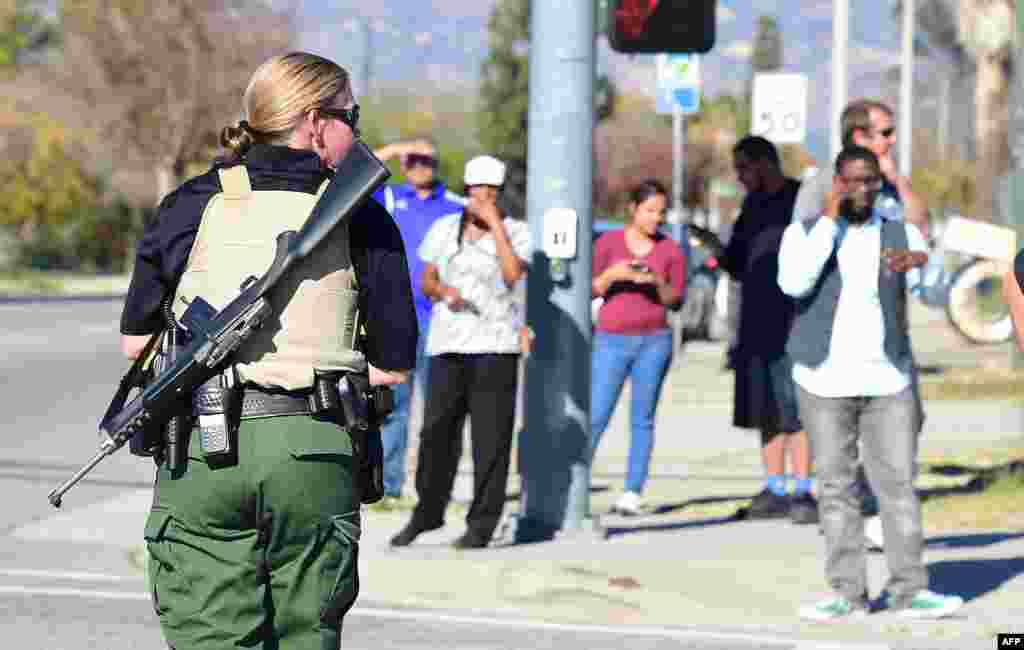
(640, 273)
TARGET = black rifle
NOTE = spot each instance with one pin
(215, 339)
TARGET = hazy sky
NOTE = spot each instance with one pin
(440, 44)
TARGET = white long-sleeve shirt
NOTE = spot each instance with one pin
(856, 362)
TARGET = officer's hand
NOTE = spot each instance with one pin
(380, 377)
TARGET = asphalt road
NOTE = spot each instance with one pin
(59, 363)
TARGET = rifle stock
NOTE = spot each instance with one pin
(358, 175)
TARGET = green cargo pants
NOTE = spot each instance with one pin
(261, 554)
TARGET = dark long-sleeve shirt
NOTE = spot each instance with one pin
(378, 255)
(752, 258)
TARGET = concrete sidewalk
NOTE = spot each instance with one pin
(690, 562)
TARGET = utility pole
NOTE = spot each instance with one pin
(554, 448)
(840, 39)
(907, 88)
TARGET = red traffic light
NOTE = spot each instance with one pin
(652, 26)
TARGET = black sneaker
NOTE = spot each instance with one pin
(803, 509)
(469, 541)
(406, 536)
(768, 505)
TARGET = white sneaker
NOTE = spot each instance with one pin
(629, 504)
(874, 539)
(928, 604)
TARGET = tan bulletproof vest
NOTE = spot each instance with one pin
(315, 305)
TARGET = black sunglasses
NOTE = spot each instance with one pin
(414, 159)
(349, 116)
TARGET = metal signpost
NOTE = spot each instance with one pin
(678, 93)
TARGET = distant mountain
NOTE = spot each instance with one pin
(439, 45)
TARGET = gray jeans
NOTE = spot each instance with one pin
(887, 428)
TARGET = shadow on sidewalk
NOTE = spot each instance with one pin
(971, 541)
(672, 507)
(973, 578)
(616, 531)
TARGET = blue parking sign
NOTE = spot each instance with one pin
(678, 83)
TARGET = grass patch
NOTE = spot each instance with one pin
(983, 492)
(961, 384)
(24, 281)
(33, 282)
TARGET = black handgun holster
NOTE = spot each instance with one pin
(350, 396)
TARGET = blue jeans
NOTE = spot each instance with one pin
(645, 359)
(394, 431)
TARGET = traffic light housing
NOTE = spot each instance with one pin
(652, 26)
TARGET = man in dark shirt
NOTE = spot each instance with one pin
(764, 396)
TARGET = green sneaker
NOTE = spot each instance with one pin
(834, 609)
(928, 604)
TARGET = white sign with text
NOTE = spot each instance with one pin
(780, 107)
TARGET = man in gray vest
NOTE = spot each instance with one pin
(849, 270)
(870, 124)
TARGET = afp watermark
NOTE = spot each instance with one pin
(1011, 640)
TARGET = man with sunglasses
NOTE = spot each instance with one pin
(415, 205)
(849, 270)
(868, 123)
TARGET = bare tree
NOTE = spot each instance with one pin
(979, 32)
(987, 31)
(162, 78)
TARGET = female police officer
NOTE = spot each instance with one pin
(262, 550)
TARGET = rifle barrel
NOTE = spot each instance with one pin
(108, 447)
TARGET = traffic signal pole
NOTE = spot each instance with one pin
(554, 447)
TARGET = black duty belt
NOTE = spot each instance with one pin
(260, 404)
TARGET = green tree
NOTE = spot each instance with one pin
(45, 186)
(505, 95)
(504, 99)
(766, 55)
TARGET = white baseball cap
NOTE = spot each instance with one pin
(485, 170)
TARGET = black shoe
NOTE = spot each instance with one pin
(803, 509)
(406, 536)
(768, 505)
(469, 541)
